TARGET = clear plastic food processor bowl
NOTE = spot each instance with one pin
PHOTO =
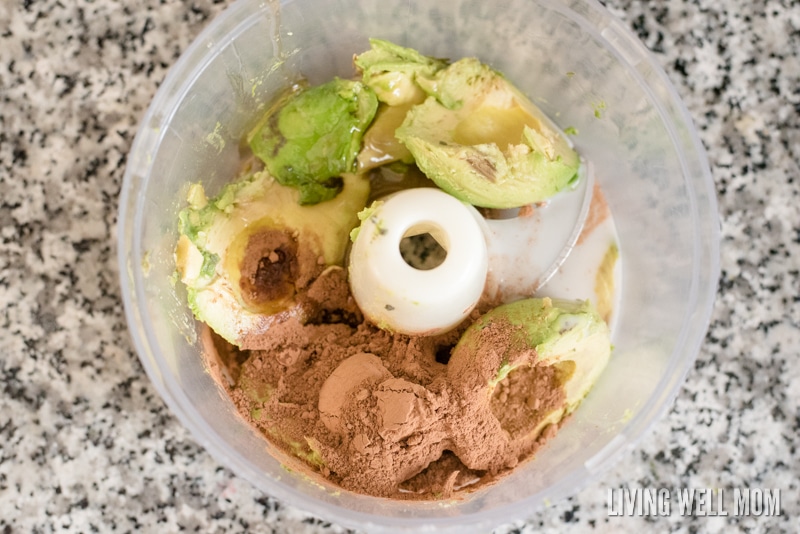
(585, 70)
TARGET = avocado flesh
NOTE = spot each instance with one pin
(569, 335)
(215, 235)
(309, 138)
(392, 71)
(395, 72)
(481, 140)
(604, 283)
(380, 146)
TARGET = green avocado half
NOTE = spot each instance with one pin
(238, 253)
(481, 140)
(567, 334)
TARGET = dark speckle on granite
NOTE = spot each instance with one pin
(87, 445)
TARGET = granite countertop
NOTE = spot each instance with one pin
(86, 444)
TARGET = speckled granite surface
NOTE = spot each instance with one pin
(87, 445)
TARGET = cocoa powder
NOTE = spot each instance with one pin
(598, 212)
(393, 421)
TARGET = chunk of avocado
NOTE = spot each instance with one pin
(570, 335)
(395, 72)
(312, 136)
(245, 254)
(481, 140)
(604, 283)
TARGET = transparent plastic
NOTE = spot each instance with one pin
(585, 70)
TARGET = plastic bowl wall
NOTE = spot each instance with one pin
(584, 69)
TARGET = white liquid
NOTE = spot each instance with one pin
(577, 276)
(526, 251)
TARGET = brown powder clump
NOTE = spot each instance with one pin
(442, 479)
(525, 402)
(385, 414)
(598, 212)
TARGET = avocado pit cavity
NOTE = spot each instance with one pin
(269, 268)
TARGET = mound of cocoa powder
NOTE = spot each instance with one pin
(378, 413)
